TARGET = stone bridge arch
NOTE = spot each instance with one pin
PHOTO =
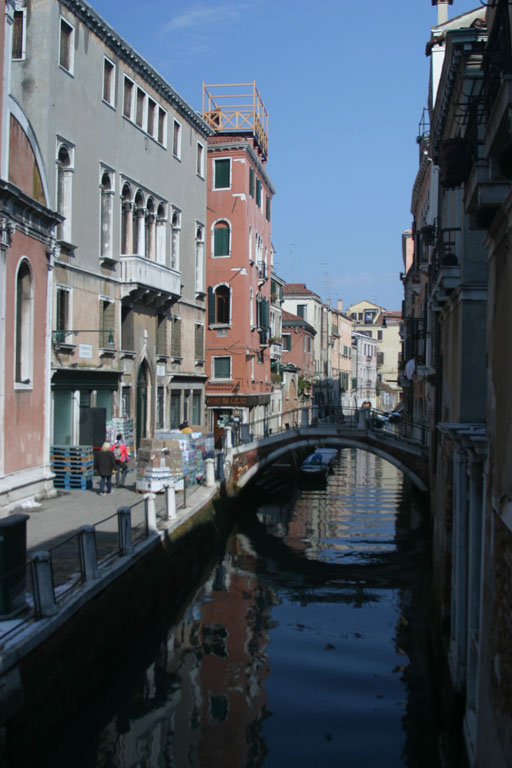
(248, 461)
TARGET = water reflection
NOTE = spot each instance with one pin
(306, 642)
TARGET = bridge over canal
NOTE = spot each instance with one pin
(403, 444)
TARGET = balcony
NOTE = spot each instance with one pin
(153, 284)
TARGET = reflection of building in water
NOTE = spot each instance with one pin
(234, 667)
(202, 700)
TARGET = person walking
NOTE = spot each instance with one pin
(122, 458)
(106, 464)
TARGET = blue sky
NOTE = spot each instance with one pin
(344, 84)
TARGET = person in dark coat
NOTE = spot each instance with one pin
(106, 464)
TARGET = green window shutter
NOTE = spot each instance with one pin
(258, 193)
(221, 178)
(221, 240)
(211, 306)
(222, 368)
(107, 322)
(199, 342)
(268, 208)
(176, 337)
(251, 182)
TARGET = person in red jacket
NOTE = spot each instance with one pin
(122, 458)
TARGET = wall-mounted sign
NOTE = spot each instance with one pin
(85, 350)
(160, 370)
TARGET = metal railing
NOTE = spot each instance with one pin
(340, 418)
(50, 576)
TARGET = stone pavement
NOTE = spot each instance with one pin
(57, 518)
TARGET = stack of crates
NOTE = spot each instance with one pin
(73, 466)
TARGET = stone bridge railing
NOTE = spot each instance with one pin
(250, 448)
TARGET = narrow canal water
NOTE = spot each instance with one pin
(306, 644)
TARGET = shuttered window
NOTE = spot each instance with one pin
(258, 193)
(161, 334)
(176, 337)
(221, 175)
(221, 367)
(251, 182)
(221, 239)
(268, 208)
(199, 342)
(107, 318)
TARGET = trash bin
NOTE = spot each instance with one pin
(13, 557)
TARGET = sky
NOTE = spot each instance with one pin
(344, 84)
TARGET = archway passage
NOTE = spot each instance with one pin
(142, 402)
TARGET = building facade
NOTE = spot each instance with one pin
(27, 258)
(126, 160)
(239, 260)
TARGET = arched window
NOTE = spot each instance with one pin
(175, 244)
(221, 239)
(199, 259)
(24, 325)
(219, 305)
(140, 229)
(150, 229)
(127, 220)
(161, 238)
(64, 190)
(107, 194)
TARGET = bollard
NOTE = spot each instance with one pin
(124, 530)
(150, 510)
(88, 556)
(210, 472)
(170, 502)
(42, 584)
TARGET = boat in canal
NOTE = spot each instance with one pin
(317, 465)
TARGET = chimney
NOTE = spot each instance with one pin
(340, 305)
(442, 10)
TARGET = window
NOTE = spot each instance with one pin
(219, 305)
(161, 335)
(221, 238)
(107, 323)
(127, 220)
(196, 408)
(66, 46)
(128, 98)
(199, 342)
(176, 139)
(251, 182)
(24, 325)
(161, 234)
(302, 311)
(63, 313)
(221, 367)
(162, 122)
(151, 117)
(287, 342)
(126, 402)
(175, 409)
(18, 35)
(150, 224)
(251, 307)
(176, 337)
(107, 216)
(258, 193)
(267, 213)
(160, 406)
(175, 243)
(109, 81)
(379, 335)
(141, 102)
(199, 259)
(64, 190)
(380, 358)
(221, 173)
(200, 160)
(127, 334)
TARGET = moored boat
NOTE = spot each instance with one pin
(317, 464)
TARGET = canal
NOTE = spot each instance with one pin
(305, 642)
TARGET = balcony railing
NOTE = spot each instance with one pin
(138, 272)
